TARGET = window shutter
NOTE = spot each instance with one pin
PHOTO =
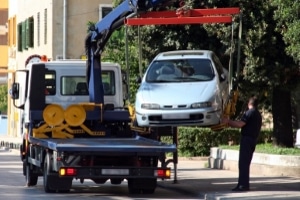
(26, 34)
(20, 37)
(31, 32)
(23, 35)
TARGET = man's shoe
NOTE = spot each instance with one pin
(240, 188)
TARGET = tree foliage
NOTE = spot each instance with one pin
(127, 57)
(287, 15)
(267, 69)
(269, 50)
(3, 98)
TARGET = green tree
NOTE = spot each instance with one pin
(266, 66)
(287, 14)
(267, 69)
(115, 51)
(268, 56)
(3, 98)
(288, 25)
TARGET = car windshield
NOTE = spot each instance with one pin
(180, 70)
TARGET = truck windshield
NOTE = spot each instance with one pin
(76, 85)
(181, 70)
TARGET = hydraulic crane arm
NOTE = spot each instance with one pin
(99, 35)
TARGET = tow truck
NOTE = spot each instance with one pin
(68, 135)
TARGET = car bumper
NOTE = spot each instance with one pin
(178, 117)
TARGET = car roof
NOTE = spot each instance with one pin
(179, 54)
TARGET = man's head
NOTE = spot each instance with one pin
(253, 102)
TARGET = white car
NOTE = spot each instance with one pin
(182, 88)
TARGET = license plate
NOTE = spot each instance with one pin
(115, 171)
(175, 116)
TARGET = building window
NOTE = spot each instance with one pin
(104, 9)
(45, 26)
(38, 29)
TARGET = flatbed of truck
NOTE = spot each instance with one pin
(136, 144)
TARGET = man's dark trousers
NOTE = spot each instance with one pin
(247, 147)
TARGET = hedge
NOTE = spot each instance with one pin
(198, 141)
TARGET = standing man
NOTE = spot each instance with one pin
(250, 125)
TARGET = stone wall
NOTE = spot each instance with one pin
(262, 164)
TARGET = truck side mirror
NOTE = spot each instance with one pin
(14, 91)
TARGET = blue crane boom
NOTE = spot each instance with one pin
(99, 35)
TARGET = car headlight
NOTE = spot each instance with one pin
(149, 106)
(201, 105)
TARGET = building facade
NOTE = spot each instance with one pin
(3, 40)
(55, 28)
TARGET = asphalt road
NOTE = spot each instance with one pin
(12, 186)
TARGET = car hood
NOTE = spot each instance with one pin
(176, 93)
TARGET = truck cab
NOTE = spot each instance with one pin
(64, 83)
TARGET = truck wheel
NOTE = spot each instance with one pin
(24, 167)
(47, 177)
(31, 179)
(52, 181)
(132, 188)
(149, 185)
(21, 152)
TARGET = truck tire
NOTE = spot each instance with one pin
(46, 175)
(31, 178)
(21, 152)
(143, 185)
(24, 167)
(52, 182)
(132, 188)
